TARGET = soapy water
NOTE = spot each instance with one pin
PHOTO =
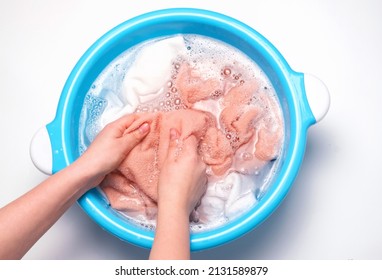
(227, 196)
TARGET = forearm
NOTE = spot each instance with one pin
(172, 235)
(25, 220)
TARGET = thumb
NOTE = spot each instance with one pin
(174, 137)
(136, 136)
(173, 144)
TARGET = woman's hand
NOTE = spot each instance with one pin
(112, 145)
(26, 219)
(182, 180)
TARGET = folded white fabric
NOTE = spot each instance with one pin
(147, 77)
(227, 198)
(149, 74)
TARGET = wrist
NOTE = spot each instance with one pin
(174, 199)
(87, 176)
(172, 234)
(172, 211)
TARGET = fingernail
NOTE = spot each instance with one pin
(173, 134)
(144, 128)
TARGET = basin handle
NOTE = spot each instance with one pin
(40, 151)
(317, 95)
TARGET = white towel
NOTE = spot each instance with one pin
(147, 77)
(227, 198)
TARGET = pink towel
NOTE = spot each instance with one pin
(240, 129)
(137, 177)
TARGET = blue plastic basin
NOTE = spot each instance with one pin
(289, 85)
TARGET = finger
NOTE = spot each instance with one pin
(134, 137)
(190, 144)
(173, 144)
(174, 137)
(125, 121)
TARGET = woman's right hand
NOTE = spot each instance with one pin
(182, 180)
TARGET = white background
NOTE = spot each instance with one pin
(334, 208)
